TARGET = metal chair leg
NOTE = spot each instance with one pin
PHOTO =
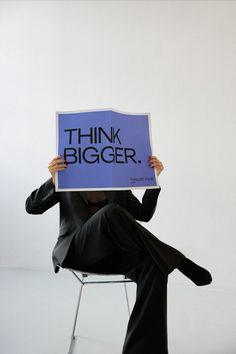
(82, 283)
(127, 298)
(72, 342)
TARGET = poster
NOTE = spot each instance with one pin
(105, 149)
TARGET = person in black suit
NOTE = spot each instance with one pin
(99, 233)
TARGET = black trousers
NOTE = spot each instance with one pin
(132, 250)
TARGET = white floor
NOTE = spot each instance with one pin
(37, 309)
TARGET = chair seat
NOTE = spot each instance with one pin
(86, 274)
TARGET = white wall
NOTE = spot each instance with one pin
(175, 59)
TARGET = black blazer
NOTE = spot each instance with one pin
(74, 211)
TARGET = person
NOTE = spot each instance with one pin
(100, 232)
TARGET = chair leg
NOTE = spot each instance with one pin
(72, 341)
(127, 298)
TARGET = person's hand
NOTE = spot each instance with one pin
(156, 164)
(57, 164)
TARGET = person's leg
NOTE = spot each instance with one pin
(113, 242)
(126, 232)
(147, 327)
(112, 228)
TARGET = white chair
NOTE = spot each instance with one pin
(82, 276)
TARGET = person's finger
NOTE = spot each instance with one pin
(157, 165)
(57, 162)
(153, 158)
(56, 158)
(60, 168)
(154, 161)
(57, 167)
(53, 169)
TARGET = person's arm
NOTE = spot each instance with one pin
(42, 198)
(145, 210)
(45, 196)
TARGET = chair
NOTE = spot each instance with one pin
(82, 276)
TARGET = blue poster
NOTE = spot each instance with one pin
(104, 149)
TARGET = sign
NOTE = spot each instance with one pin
(105, 150)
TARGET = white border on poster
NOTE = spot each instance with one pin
(104, 189)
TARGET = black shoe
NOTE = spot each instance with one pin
(200, 276)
